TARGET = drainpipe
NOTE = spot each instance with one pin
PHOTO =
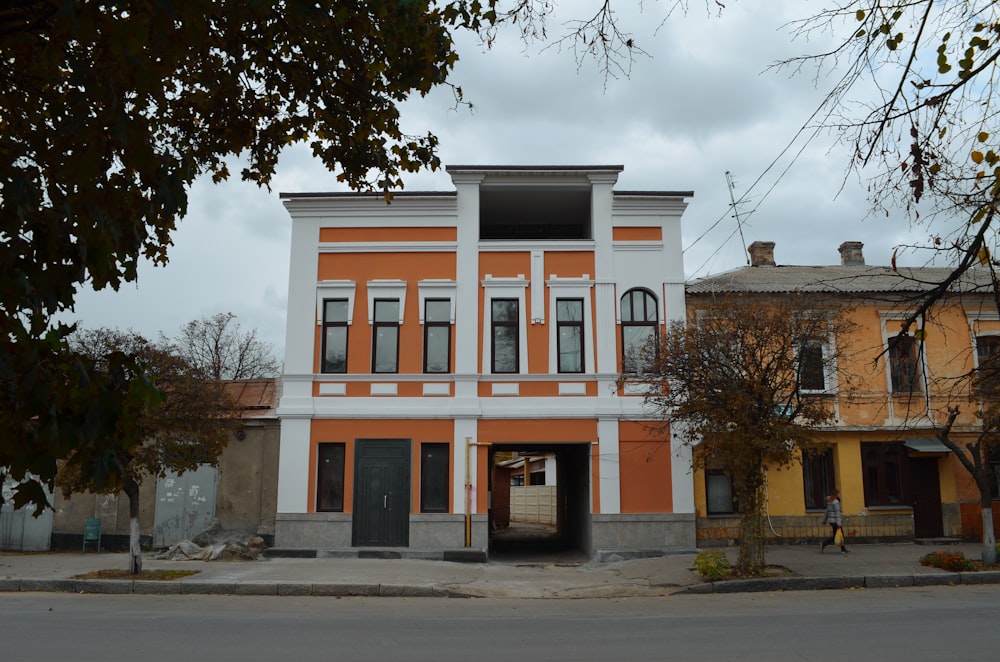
(468, 487)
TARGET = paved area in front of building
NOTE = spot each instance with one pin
(795, 567)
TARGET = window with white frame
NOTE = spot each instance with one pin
(504, 327)
(385, 336)
(812, 366)
(987, 350)
(639, 322)
(505, 335)
(335, 325)
(904, 364)
(569, 335)
(437, 335)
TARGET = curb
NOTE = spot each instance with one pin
(828, 583)
(147, 587)
(766, 584)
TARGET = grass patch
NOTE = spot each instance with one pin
(153, 575)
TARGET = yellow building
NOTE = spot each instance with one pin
(888, 395)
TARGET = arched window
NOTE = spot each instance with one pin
(639, 329)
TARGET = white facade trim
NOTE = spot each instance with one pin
(538, 287)
(501, 246)
(437, 389)
(571, 288)
(335, 289)
(383, 389)
(389, 247)
(572, 388)
(386, 289)
(436, 289)
(333, 388)
(505, 388)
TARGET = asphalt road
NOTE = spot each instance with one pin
(934, 623)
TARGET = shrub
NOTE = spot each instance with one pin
(953, 561)
(712, 565)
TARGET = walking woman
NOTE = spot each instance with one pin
(835, 518)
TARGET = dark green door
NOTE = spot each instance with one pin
(382, 493)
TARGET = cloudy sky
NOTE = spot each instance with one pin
(702, 104)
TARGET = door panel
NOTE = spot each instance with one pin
(382, 493)
(926, 490)
(185, 505)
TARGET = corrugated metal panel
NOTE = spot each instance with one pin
(20, 530)
(185, 505)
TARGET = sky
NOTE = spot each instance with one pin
(705, 102)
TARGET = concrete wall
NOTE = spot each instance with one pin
(645, 534)
(873, 527)
(246, 495)
(332, 531)
(534, 504)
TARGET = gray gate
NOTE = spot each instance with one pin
(185, 505)
(20, 530)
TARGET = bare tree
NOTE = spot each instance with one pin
(190, 423)
(219, 347)
(915, 96)
(731, 377)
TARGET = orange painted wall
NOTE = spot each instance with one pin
(645, 470)
(338, 235)
(637, 234)
(347, 431)
(362, 267)
(569, 264)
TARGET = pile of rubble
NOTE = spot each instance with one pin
(216, 544)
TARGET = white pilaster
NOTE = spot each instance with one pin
(300, 324)
(606, 328)
(609, 464)
(293, 466)
(681, 476)
(467, 284)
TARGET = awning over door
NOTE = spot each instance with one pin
(926, 446)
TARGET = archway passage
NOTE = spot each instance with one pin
(540, 501)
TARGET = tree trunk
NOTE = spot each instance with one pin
(750, 561)
(131, 489)
(989, 536)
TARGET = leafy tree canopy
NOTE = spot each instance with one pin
(110, 110)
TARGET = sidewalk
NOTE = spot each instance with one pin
(870, 566)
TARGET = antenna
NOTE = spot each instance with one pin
(736, 213)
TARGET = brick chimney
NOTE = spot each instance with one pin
(761, 254)
(851, 255)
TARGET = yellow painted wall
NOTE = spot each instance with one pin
(868, 412)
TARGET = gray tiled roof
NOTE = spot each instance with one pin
(835, 279)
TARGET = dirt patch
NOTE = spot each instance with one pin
(154, 575)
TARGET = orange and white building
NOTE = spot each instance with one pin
(430, 336)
